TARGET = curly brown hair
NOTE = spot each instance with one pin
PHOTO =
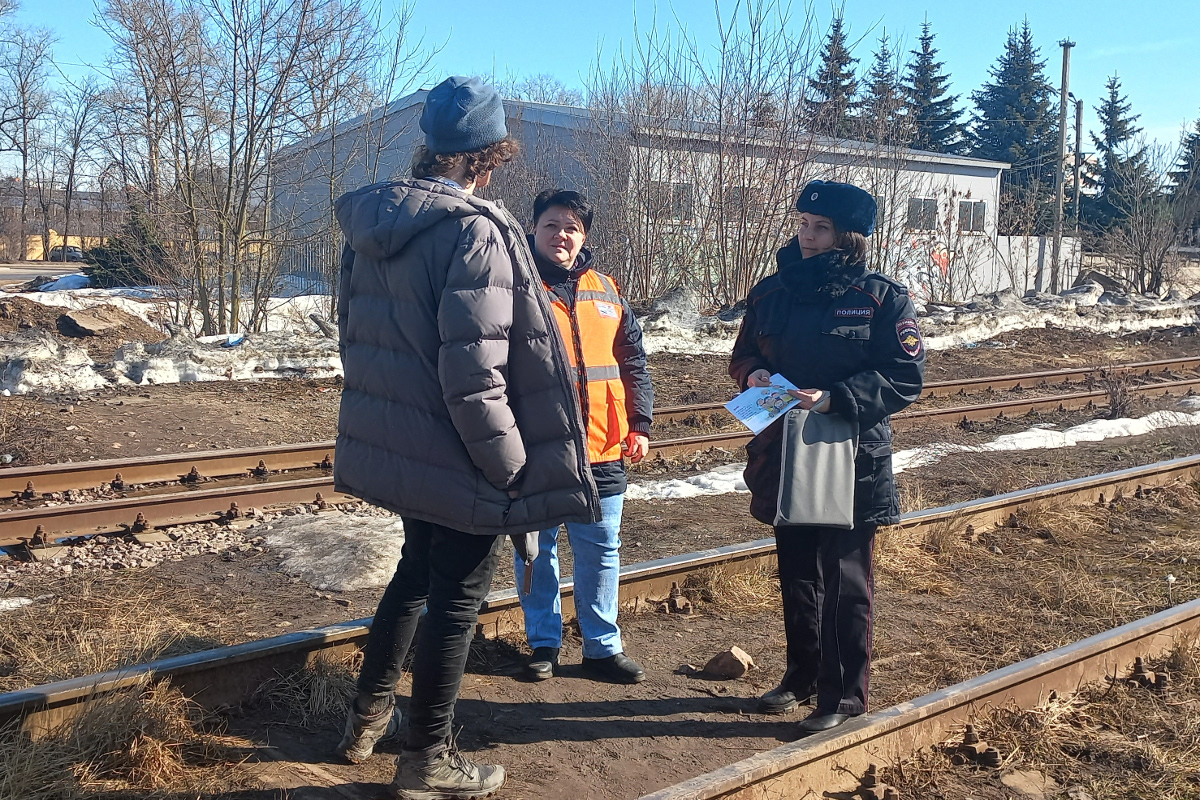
(473, 162)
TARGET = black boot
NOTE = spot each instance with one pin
(615, 669)
(542, 663)
(781, 700)
(819, 721)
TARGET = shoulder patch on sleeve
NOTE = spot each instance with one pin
(910, 336)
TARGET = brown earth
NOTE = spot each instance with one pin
(17, 314)
(948, 608)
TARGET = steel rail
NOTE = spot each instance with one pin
(965, 386)
(161, 469)
(829, 763)
(192, 504)
(955, 414)
(228, 675)
(281, 458)
(158, 510)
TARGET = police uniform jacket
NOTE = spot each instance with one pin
(827, 324)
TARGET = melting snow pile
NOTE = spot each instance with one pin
(34, 361)
(183, 358)
(141, 303)
(728, 478)
(674, 326)
(1086, 308)
(336, 551)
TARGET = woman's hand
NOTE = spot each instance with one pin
(814, 399)
(636, 446)
(758, 378)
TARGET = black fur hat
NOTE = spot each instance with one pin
(850, 208)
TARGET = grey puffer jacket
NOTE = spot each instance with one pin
(457, 391)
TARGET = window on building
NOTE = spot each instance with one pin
(971, 215)
(675, 201)
(744, 199)
(922, 214)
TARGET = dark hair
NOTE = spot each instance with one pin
(572, 201)
(853, 244)
(474, 162)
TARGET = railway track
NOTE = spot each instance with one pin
(834, 761)
(1030, 380)
(190, 487)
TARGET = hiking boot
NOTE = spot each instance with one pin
(364, 732)
(781, 700)
(542, 663)
(615, 669)
(443, 773)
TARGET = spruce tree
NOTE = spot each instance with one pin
(1120, 167)
(835, 85)
(1185, 182)
(1014, 121)
(935, 122)
(883, 104)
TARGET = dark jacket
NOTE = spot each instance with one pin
(823, 323)
(457, 388)
(630, 354)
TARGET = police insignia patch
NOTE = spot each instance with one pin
(909, 335)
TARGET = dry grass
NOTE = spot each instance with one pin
(756, 589)
(104, 624)
(1111, 740)
(318, 693)
(146, 741)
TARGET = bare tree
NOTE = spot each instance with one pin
(77, 115)
(24, 67)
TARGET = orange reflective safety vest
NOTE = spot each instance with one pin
(590, 333)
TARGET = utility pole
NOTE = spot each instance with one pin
(1064, 93)
(1078, 158)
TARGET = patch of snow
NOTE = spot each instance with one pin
(728, 478)
(957, 328)
(142, 303)
(182, 358)
(76, 281)
(34, 361)
(674, 324)
(13, 603)
(338, 551)
(722, 480)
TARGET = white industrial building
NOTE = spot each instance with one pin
(937, 227)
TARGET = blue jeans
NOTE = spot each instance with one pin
(597, 573)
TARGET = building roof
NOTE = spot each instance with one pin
(579, 118)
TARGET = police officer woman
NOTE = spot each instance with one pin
(848, 336)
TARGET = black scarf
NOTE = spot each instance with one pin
(828, 274)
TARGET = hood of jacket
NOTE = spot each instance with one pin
(378, 224)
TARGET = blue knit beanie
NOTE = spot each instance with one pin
(850, 208)
(462, 114)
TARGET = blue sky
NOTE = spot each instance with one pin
(1156, 54)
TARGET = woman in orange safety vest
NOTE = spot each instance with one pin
(604, 346)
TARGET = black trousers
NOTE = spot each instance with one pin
(451, 573)
(828, 584)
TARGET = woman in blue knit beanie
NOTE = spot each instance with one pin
(849, 336)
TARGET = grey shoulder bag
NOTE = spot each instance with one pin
(816, 482)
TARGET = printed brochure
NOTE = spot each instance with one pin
(759, 406)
